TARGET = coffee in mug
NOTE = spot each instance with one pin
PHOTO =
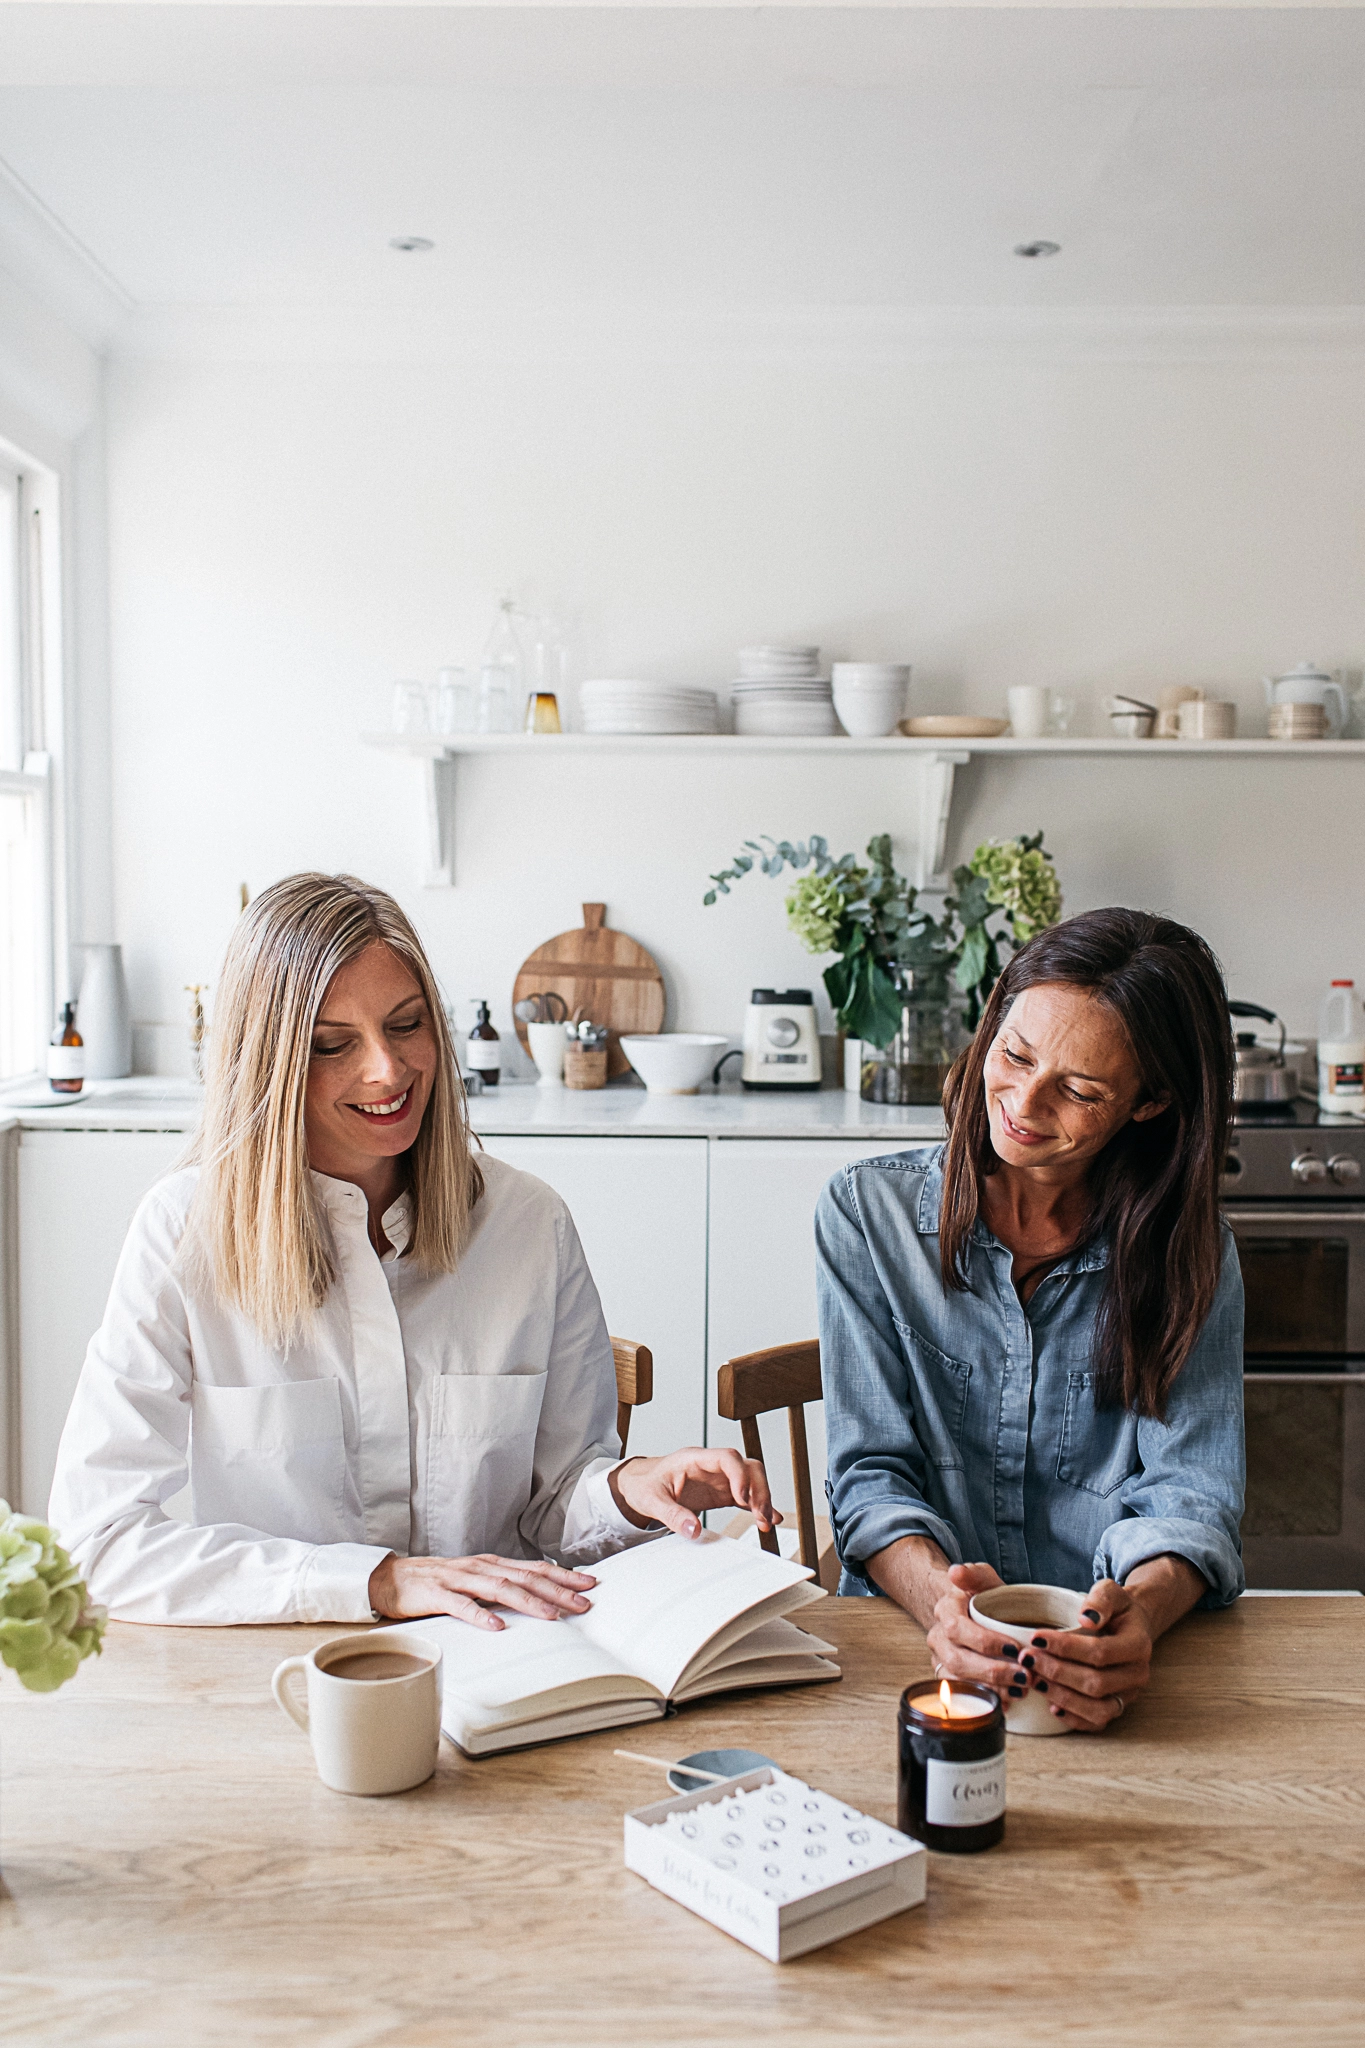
(371, 1709)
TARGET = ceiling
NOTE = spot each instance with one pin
(263, 157)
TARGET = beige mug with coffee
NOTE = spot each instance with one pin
(372, 1709)
(1018, 1612)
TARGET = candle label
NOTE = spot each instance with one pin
(964, 1795)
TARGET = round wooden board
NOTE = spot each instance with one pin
(608, 976)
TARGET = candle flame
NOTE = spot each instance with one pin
(946, 1698)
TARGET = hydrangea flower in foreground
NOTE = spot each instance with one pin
(48, 1622)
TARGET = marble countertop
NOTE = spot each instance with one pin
(152, 1103)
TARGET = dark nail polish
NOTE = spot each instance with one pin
(1017, 1691)
(1040, 1685)
(1027, 1661)
(1091, 1613)
(1040, 1642)
(1008, 1650)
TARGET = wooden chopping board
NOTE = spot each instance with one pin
(608, 976)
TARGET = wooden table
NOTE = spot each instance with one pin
(175, 1872)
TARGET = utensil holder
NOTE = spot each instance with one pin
(585, 1066)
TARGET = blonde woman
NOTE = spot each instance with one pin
(379, 1363)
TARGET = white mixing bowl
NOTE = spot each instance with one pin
(674, 1062)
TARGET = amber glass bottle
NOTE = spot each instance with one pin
(66, 1055)
(484, 1056)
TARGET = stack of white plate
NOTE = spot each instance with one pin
(626, 707)
(780, 692)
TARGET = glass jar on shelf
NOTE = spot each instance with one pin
(456, 705)
(913, 1067)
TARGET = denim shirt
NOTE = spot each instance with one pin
(971, 1419)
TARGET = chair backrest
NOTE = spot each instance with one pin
(787, 1376)
(634, 1382)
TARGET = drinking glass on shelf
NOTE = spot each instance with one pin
(456, 709)
(410, 709)
(499, 695)
(1062, 710)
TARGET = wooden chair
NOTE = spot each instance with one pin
(787, 1376)
(634, 1382)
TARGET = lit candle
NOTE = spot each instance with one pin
(952, 1767)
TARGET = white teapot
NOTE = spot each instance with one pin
(1309, 684)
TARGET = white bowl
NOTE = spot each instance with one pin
(869, 714)
(674, 1062)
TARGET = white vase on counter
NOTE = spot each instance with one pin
(103, 1016)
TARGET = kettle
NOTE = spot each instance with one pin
(1308, 684)
(1261, 1076)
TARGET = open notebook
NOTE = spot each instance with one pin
(671, 1620)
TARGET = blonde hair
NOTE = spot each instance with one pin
(256, 1229)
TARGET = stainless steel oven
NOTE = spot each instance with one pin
(1294, 1194)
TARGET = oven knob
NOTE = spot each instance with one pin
(1344, 1169)
(782, 1031)
(1232, 1166)
(1308, 1167)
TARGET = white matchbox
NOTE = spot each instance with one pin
(771, 1861)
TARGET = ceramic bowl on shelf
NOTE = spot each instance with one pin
(674, 1062)
(1132, 725)
(869, 697)
(953, 726)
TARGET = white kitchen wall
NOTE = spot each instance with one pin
(286, 538)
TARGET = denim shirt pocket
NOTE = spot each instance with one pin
(1098, 1451)
(938, 1389)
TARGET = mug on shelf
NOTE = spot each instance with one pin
(371, 1709)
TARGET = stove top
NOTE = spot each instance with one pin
(1295, 1153)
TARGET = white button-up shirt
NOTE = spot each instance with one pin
(425, 1415)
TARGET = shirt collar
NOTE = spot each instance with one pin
(1092, 1258)
(345, 1202)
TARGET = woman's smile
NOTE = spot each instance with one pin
(391, 1112)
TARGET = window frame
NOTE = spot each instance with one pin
(40, 721)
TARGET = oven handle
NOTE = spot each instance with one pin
(1253, 1214)
(1304, 1379)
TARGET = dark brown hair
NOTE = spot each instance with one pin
(1154, 1187)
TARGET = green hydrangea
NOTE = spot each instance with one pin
(1021, 879)
(815, 910)
(47, 1620)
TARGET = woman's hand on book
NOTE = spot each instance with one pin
(404, 1588)
(676, 1489)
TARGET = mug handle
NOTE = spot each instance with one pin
(279, 1685)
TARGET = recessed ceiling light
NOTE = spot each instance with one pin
(411, 245)
(1037, 248)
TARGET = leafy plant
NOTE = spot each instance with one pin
(48, 1623)
(869, 915)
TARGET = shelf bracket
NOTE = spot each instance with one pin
(438, 781)
(935, 802)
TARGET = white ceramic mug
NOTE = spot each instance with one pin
(1030, 710)
(371, 1732)
(1018, 1612)
(547, 1043)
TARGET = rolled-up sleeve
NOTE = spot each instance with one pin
(876, 1463)
(1186, 1500)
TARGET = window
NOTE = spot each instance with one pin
(25, 782)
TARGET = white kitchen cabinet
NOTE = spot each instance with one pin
(762, 1275)
(77, 1194)
(640, 1208)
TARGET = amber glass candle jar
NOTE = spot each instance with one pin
(952, 1766)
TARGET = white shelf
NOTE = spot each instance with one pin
(934, 762)
(437, 749)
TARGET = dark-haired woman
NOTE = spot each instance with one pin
(1031, 1337)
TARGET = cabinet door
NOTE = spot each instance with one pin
(762, 1276)
(640, 1208)
(77, 1194)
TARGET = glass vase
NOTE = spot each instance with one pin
(916, 1063)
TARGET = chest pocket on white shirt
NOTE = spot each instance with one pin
(271, 1457)
(480, 1460)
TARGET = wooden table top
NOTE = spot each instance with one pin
(174, 1871)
